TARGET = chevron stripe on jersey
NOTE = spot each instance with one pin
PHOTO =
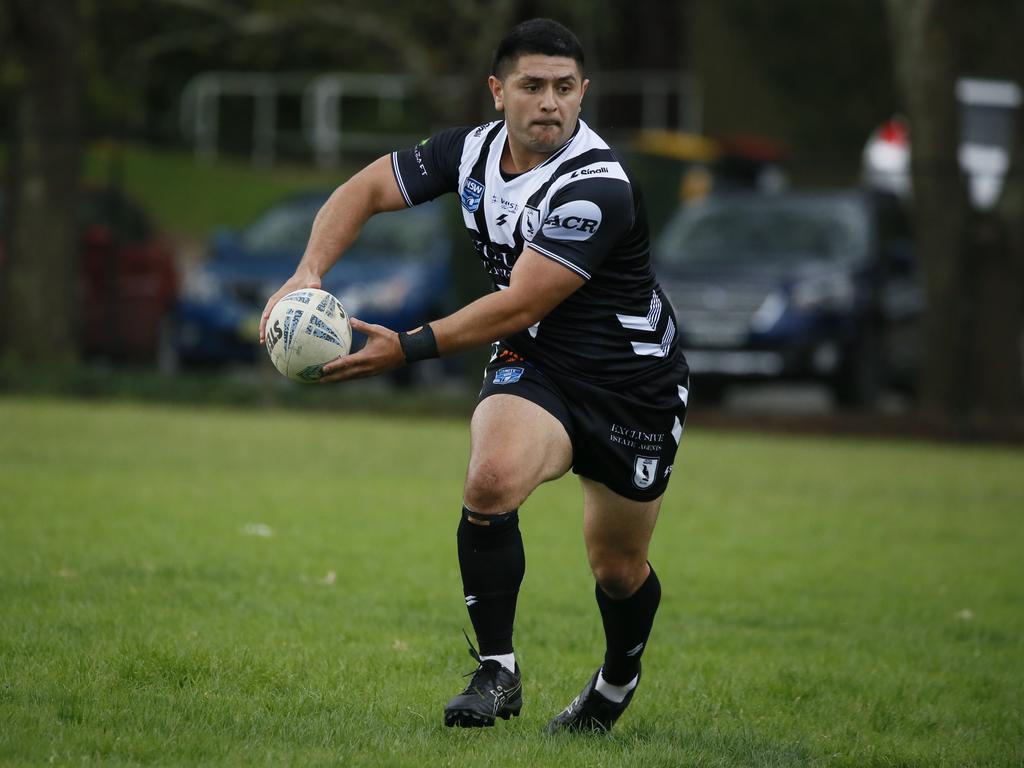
(646, 322)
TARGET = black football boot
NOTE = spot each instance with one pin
(590, 712)
(492, 692)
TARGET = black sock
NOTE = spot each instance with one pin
(493, 563)
(627, 625)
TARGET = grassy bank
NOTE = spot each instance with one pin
(189, 197)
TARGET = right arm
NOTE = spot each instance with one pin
(372, 190)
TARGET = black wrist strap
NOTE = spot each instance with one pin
(418, 344)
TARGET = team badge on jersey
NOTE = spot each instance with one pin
(508, 375)
(529, 224)
(645, 471)
(576, 220)
(472, 193)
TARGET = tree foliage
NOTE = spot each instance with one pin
(142, 61)
(832, 65)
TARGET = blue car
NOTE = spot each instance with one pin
(396, 274)
(815, 286)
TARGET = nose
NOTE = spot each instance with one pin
(548, 103)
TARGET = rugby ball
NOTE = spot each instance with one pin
(307, 329)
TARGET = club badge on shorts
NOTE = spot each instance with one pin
(645, 471)
(508, 375)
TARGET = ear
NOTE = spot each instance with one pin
(583, 89)
(497, 92)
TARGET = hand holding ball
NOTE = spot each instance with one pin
(306, 330)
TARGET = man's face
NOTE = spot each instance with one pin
(540, 96)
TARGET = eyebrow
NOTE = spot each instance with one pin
(541, 78)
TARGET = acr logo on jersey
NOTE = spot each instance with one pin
(472, 193)
(576, 220)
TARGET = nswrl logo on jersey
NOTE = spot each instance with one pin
(472, 193)
(645, 471)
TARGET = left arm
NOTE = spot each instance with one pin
(536, 286)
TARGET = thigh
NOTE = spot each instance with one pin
(515, 446)
(616, 528)
(520, 434)
(511, 432)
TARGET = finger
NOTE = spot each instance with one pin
(266, 317)
(333, 378)
(262, 326)
(359, 325)
(338, 362)
(341, 373)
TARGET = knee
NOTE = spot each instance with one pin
(491, 488)
(618, 575)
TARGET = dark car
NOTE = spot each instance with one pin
(814, 286)
(395, 274)
(127, 279)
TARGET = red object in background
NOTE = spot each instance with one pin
(128, 281)
(894, 131)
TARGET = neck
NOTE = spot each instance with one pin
(518, 159)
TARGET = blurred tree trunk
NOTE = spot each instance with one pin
(1007, 276)
(971, 373)
(39, 302)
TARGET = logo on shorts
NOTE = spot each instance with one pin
(508, 375)
(645, 471)
(472, 192)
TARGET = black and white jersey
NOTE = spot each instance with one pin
(578, 208)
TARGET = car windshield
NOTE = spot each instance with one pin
(397, 235)
(763, 230)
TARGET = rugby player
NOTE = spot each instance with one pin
(586, 372)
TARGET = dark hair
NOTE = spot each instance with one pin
(543, 36)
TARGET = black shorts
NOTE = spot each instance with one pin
(626, 440)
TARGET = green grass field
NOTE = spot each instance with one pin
(244, 587)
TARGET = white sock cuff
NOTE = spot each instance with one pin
(616, 693)
(507, 660)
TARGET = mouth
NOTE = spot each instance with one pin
(547, 123)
